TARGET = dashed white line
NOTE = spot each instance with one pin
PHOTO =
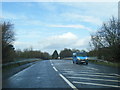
(96, 84)
(55, 69)
(68, 82)
(51, 62)
(95, 79)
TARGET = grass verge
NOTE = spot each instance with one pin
(115, 64)
(8, 67)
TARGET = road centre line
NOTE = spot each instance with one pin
(93, 75)
(55, 69)
(68, 82)
(95, 79)
(96, 84)
(51, 62)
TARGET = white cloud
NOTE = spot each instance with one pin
(72, 26)
(58, 42)
(81, 18)
(68, 26)
(82, 42)
(24, 45)
(65, 40)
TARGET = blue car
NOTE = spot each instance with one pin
(80, 58)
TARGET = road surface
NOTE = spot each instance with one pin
(65, 74)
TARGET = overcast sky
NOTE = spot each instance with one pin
(47, 26)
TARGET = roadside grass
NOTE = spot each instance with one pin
(8, 67)
(112, 64)
(106, 63)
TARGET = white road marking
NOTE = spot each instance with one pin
(51, 62)
(55, 69)
(68, 82)
(97, 84)
(38, 77)
(93, 75)
(91, 68)
(66, 70)
(69, 72)
(102, 73)
(94, 68)
(95, 79)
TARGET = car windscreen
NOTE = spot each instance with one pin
(82, 54)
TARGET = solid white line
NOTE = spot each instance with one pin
(95, 79)
(93, 75)
(97, 84)
(20, 72)
(55, 69)
(68, 82)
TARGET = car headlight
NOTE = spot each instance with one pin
(86, 58)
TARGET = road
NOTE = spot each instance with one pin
(65, 74)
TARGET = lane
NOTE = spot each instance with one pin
(39, 75)
(88, 76)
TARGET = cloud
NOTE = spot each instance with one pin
(58, 41)
(65, 40)
(68, 26)
(24, 45)
(72, 26)
(81, 18)
(83, 42)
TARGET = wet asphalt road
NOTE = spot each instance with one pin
(65, 74)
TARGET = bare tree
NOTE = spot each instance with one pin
(7, 40)
(108, 37)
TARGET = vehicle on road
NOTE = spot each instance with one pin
(80, 58)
